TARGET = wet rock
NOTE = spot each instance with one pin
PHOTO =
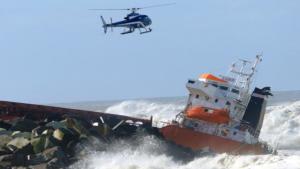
(4, 139)
(77, 126)
(5, 132)
(18, 143)
(41, 143)
(56, 125)
(19, 167)
(24, 125)
(5, 125)
(6, 161)
(64, 136)
(4, 151)
(41, 130)
(26, 135)
(55, 163)
(39, 166)
(54, 152)
(12, 159)
(101, 131)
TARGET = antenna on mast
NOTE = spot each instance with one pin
(244, 77)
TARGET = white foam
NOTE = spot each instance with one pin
(145, 109)
(281, 125)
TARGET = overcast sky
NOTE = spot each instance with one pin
(56, 51)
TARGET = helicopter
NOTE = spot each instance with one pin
(131, 21)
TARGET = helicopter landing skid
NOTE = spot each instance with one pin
(126, 32)
(146, 31)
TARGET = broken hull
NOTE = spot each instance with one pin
(198, 141)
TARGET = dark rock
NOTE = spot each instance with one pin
(39, 166)
(4, 151)
(6, 161)
(56, 125)
(5, 125)
(24, 125)
(55, 163)
(20, 167)
(26, 135)
(46, 156)
(41, 130)
(42, 142)
(18, 143)
(64, 136)
(4, 139)
(54, 152)
(77, 126)
(5, 132)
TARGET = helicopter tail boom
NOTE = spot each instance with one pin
(104, 24)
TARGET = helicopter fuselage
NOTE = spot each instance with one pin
(133, 21)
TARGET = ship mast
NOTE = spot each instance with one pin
(243, 77)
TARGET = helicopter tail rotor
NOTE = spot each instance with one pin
(104, 24)
(111, 24)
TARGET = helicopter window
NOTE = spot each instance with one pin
(223, 88)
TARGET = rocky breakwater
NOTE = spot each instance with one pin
(42, 144)
(37, 136)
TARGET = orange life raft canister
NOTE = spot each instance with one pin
(207, 114)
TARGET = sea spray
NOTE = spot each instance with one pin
(281, 126)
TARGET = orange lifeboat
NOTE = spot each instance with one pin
(207, 114)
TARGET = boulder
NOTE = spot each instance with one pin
(6, 161)
(24, 125)
(5, 125)
(4, 151)
(26, 135)
(18, 143)
(39, 166)
(77, 126)
(4, 139)
(64, 136)
(45, 130)
(56, 125)
(5, 132)
(55, 163)
(54, 152)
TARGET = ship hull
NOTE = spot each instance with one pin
(199, 141)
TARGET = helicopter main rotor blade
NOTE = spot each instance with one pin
(124, 9)
(159, 5)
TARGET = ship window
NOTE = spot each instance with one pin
(191, 81)
(235, 91)
(223, 88)
(214, 85)
(216, 100)
(228, 103)
(197, 96)
(205, 110)
(234, 133)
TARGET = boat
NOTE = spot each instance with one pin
(221, 114)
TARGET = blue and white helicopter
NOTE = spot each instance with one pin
(132, 21)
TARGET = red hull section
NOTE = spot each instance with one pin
(198, 141)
